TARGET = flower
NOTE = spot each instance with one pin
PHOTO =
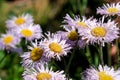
(15, 21)
(9, 40)
(100, 32)
(102, 73)
(43, 73)
(109, 9)
(35, 56)
(77, 22)
(70, 35)
(55, 47)
(30, 31)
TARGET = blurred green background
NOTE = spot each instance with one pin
(49, 14)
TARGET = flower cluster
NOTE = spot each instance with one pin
(44, 47)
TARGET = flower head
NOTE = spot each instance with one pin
(43, 73)
(109, 9)
(9, 40)
(100, 32)
(35, 56)
(77, 22)
(70, 34)
(55, 47)
(15, 21)
(30, 31)
(102, 73)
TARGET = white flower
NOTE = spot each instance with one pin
(77, 22)
(55, 47)
(109, 9)
(102, 73)
(70, 35)
(100, 32)
(35, 56)
(9, 40)
(15, 21)
(43, 73)
(30, 31)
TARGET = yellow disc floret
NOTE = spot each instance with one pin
(43, 76)
(8, 39)
(112, 10)
(20, 21)
(73, 35)
(104, 76)
(55, 47)
(98, 31)
(81, 24)
(26, 32)
(36, 53)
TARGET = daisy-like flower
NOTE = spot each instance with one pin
(55, 47)
(9, 40)
(43, 73)
(30, 31)
(72, 38)
(35, 56)
(70, 35)
(15, 21)
(79, 23)
(109, 9)
(100, 32)
(102, 73)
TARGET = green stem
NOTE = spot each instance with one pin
(88, 54)
(117, 45)
(3, 58)
(70, 60)
(54, 63)
(101, 56)
(108, 54)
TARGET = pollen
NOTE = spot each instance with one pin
(104, 76)
(73, 35)
(43, 76)
(20, 21)
(36, 54)
(8, 39)
(112, 10)
(26, 32)
(98, 31)
(81, 24)
(55, 47)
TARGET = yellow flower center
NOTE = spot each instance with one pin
(104, 76)
(43, 76)
(26, 32)
(8, 39)
(112, 10)
(55, 47)
(81, 24)
(73, 35)
(36, 54)
(98, 31)
(20, 21)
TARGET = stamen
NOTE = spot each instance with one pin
(43, 76)
(36, 54)
(20, 21)
(98, 31)
(55, 47)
